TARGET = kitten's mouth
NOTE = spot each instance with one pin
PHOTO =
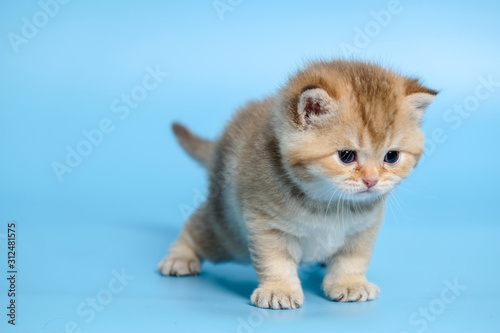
(366, 192)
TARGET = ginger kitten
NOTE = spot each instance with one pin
(303, 176)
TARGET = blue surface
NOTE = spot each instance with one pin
(121, 206)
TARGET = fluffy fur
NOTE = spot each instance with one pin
(279, 192)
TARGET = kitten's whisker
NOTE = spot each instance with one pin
(338, 203)
(400, 208)
(330, 189)
(404, 188)
(358, 206)
(329, 201)
(416, 192)
(343, 220)
(392, 209)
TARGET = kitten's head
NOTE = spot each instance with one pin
(350, 129)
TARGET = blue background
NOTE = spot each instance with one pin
(123, 205)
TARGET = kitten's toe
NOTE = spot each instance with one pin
(277, 297)
(179, 266)
(352, 291)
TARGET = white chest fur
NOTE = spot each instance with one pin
(319, 237)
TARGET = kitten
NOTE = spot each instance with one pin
(303, 176)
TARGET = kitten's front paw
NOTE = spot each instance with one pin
(179, 266)
(352, 291)
(277, 297)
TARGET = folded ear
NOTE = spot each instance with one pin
(418, 97)
(315, 105)
(418, 103)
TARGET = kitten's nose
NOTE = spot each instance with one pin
(370, 182)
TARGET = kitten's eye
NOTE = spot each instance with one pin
(347, 156)
(391, 157)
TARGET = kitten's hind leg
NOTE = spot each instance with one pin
(203, 237)
(182, 259)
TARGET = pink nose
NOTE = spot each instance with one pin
(370, 182)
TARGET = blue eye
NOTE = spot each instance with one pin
(347, 156)
(391, 157)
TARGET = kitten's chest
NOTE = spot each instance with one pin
(321, 236)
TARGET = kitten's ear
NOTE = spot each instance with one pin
(418, 103)
(418, 97)
(315, 105)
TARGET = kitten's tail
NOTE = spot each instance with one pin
(199, 149)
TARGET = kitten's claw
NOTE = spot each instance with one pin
(277, 298)
(355, 291)
(178, 266)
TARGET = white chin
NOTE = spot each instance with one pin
(364, 196)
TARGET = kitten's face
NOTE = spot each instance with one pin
(355, 164)
(359, 143)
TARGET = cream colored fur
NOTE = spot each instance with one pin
(279, 193)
